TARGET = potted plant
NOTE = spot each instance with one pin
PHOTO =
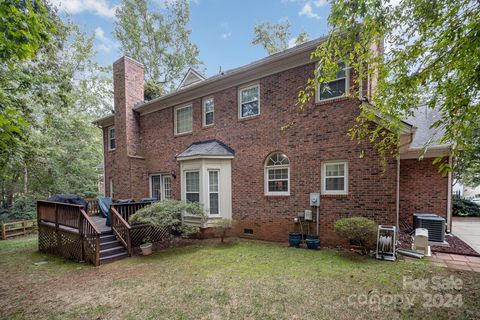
(146, 246)
(312, 242)
(294, 238)
(224, 225)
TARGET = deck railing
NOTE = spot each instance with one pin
(121, 229)
(136, 234)
(66, 230)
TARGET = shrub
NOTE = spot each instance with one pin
(168, 214)
(359, 231)
(465, 208)
(224, 225)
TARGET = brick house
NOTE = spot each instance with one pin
(220, 141)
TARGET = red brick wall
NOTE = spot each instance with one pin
(422, 189)
(124, 163)
(318, 133)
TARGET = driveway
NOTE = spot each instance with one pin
(468, 229)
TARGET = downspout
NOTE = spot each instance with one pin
(449, 197)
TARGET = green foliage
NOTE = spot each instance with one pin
(224, 225)
(53, 97)
(359, 231)
(159, 39)
(25, 26)
(431, 59)
(274, 37)
(464, 207)
(168, 214)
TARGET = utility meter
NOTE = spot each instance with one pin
(314, 199)
(308, 215)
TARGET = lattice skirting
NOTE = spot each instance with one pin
(154, 234)
(61, 243)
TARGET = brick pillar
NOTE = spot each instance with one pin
(128, 84)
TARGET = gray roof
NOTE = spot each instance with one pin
(207, 148)
(422, 120)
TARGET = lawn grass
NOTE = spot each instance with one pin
(240, 280)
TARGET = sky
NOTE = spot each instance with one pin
(222, 29)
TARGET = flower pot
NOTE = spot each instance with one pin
(294, 238)
(146, 249)
(312, 244)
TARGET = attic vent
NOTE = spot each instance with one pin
(248, 231)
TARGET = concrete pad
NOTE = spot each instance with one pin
(457, 257)
(473, 259)
(443, 256)
(459, 266)
(467, 229)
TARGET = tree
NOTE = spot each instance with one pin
(274, 37)
(25, 28)
(431, 58)
(160, 40)
(58, 94)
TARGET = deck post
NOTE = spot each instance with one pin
(80, 233)
(4, 232)
(97, 251)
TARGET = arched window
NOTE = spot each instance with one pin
(277, 174)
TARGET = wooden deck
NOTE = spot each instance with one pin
(100, 223)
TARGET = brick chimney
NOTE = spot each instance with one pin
(128, 171)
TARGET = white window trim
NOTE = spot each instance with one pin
(219, 214)
(163, 176)
(175, 119)
(347, 87)
(110, 181)
(246, 87)
(109, 135)
(204, 114)
(199, 184)
(324, 178)
(265, 178)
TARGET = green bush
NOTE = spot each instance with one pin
(23, 208)
(359, 231)
(465, 208)
(168, 214)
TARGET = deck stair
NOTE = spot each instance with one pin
(111, 248)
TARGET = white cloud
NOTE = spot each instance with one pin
(320, 3)
(98, 7)
(292, 42)
(104, 43)
(307, 11)
(225, 35)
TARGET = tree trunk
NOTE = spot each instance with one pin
(25, 180)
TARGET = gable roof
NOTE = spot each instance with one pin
(191, 77)
(206, 149)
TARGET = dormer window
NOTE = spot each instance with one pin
(111, 138)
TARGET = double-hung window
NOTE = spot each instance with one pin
(249, 101)
(213, 199)
(111, 138)
(277, 175)
(184, 119)
(335, 177)
(208, 112)
(335, 88)
(192, 186)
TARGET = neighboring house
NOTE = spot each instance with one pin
(466, 192)
(220, 141)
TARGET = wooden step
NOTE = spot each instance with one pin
(113, 257)
(110, 244)
(112, 251)
(107, 238)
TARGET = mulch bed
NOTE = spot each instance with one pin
(456, 245)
